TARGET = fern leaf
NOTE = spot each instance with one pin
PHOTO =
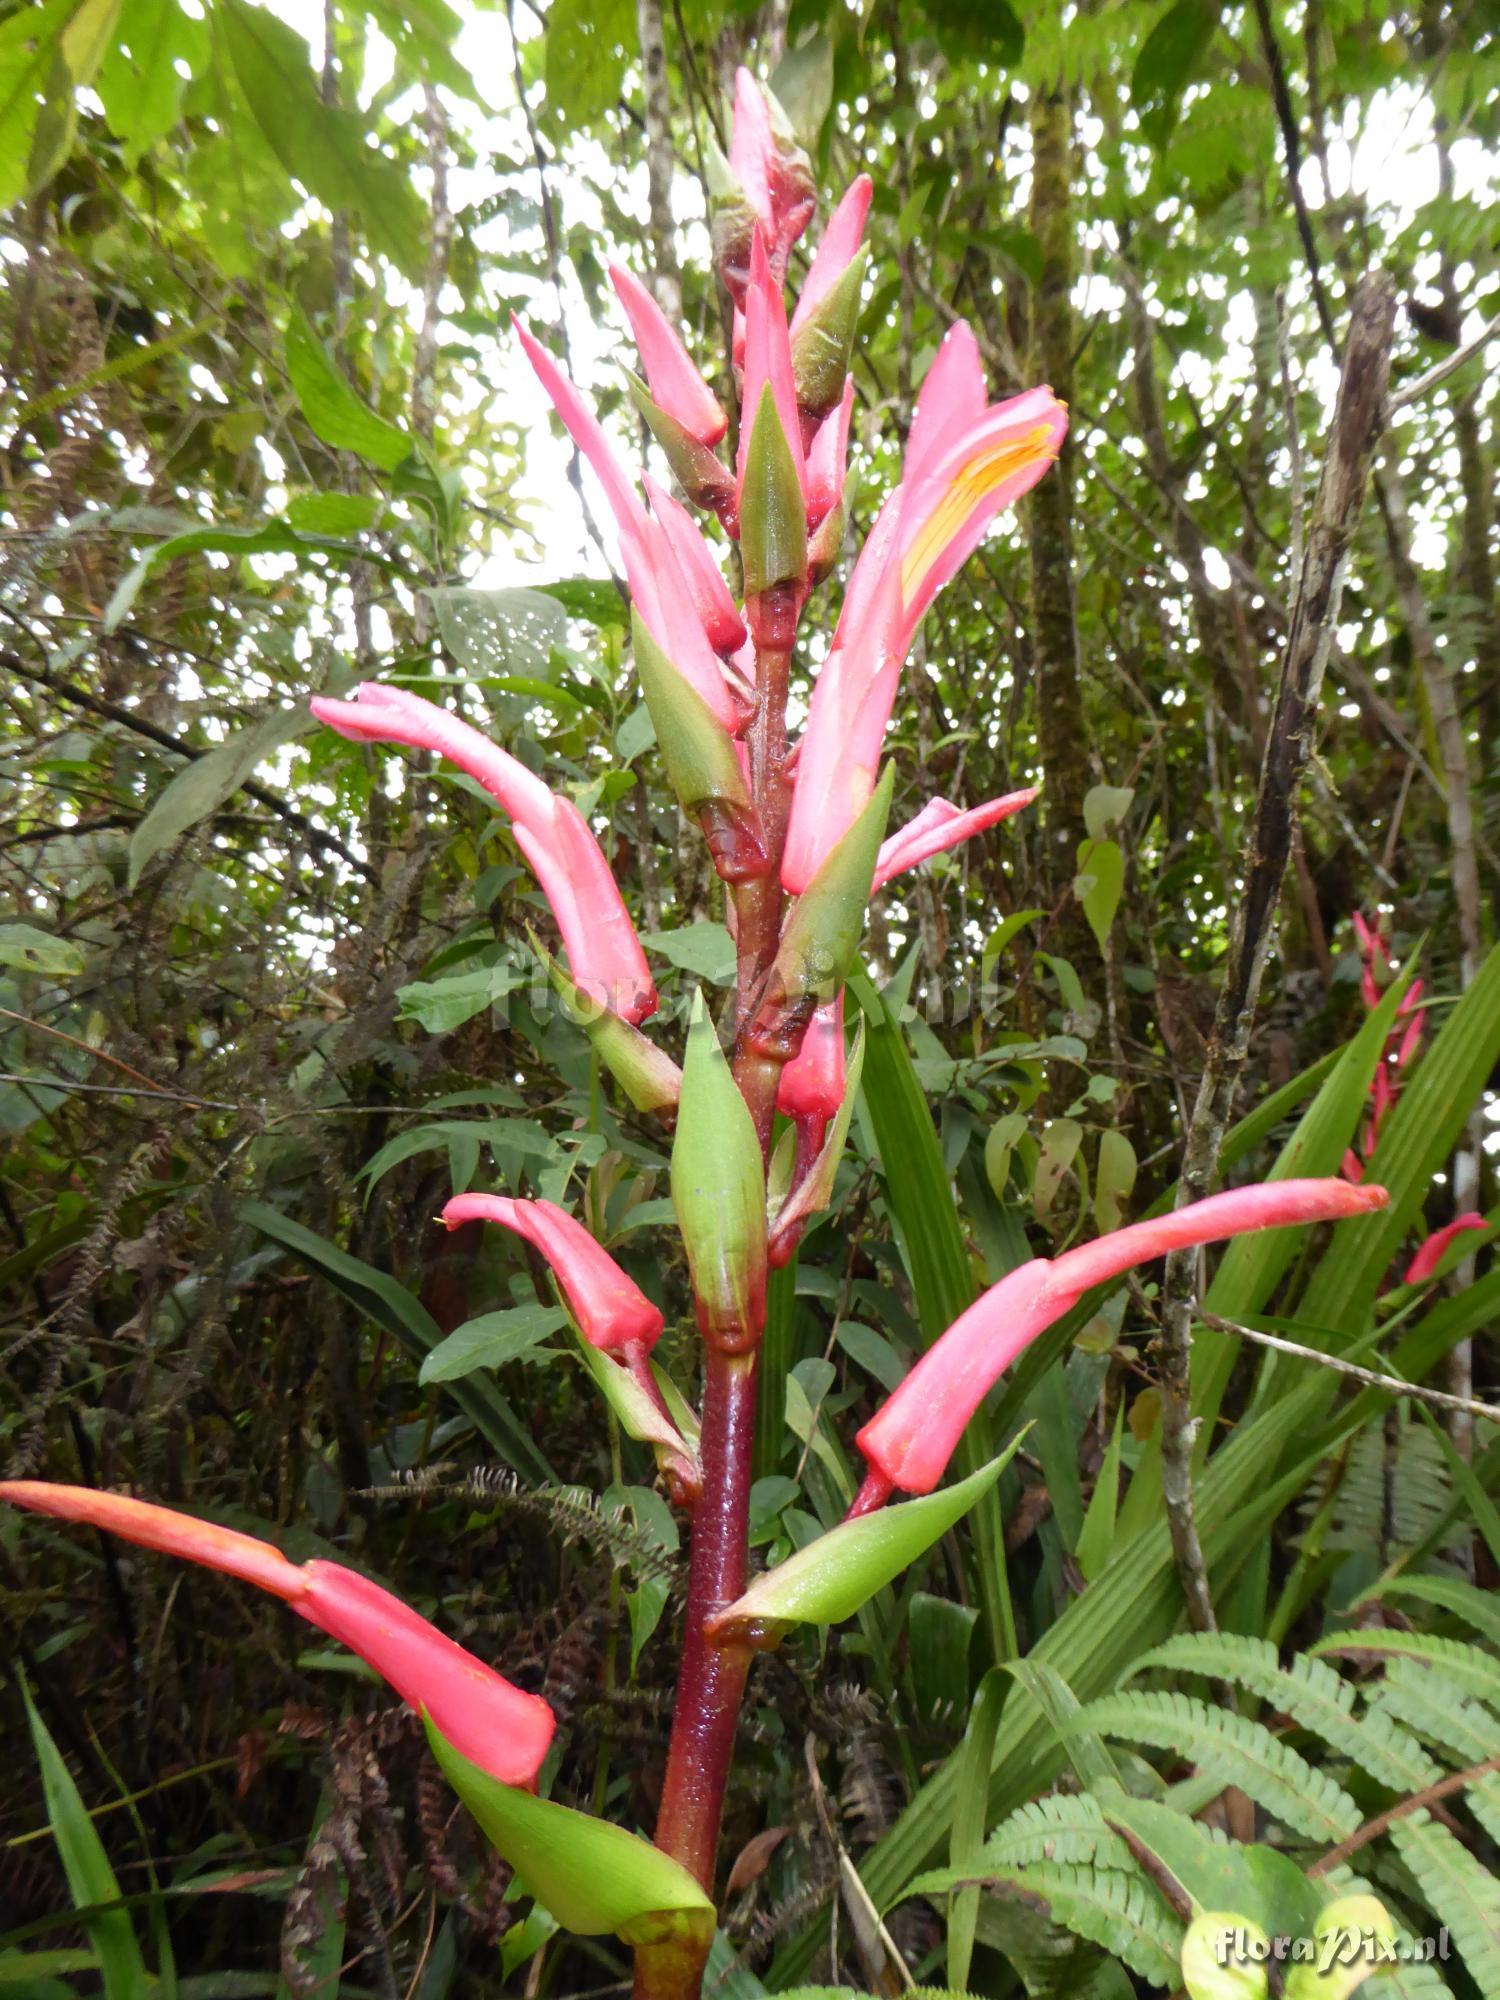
(1463, 1730)
(1235, 1749)
(1119, 1912)
(1462, 1893)
(1476, 1671)
(1477, 1608)
(1318, 1699)
(1063, 1827)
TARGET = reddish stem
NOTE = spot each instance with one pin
(872, 1496)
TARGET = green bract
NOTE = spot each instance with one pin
(834, 1576)
(822, 934)
(647, 1075)
(822, 344)
(773, 513)
(695, 745)
(592, 1876)
(719, 1189)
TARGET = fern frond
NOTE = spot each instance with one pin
(1463, 1731)
(1063, 1827)
(1476, 1671)
(1462, 1893)
(1418, 1978)
(1233, 1748)
(1477, 1608)
(1318, 1699)
(1121, 1913)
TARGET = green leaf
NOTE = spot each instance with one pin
(333, 513)
(591, 599)
(260, 538)
(443, 1004)
(496, 632)
(31, 950)
(319, 144)
(719, 1188)
(91, 1880)
(830, 1579)
(594, 1877)
(705, 949)
(490, 1341)
(141, 91)
(335, 413)
(1104, 809)
(402, 1314)
(1170, 54)
(1099, 885)
(211, 779)
(976, 1754)
(1217, 1874)
(1096, 1538)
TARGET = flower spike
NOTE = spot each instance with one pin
(603, 949)
(498, 1727)
(612, 1311)
(911, 1438)
(1433, 1251)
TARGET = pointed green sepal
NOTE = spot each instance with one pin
(719, 1191)
(830, 1579)
(773, 513)
(701, 473)
(822, 934)
(816, 1188)
(695, 746)
(676, 1447)
(824, 342)
(647, 1075)
(594, 1877)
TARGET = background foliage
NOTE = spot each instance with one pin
(267, 998)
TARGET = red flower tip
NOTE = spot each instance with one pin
(612, 1311)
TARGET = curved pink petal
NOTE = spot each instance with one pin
(494, 1724)
(603, 950)
(911, 1438)
(828, 457)
(375, 713)
(671, 373)
(604, 953)
(704, 580)
(948, 507)
(612, 1311)
(1432, 1252)
(939, 826)
(664, 598)
(587, 433)
(836, 248)
(951, 400)
(768, 361)
(812, 1083)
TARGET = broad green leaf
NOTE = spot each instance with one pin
(1099, 884)
(141, 90)
(592, 1875)
(319, 144)
(1104, 809)
(31, 950)
(490, 1341)
(441, 1005)
(492, 633)
(831, 1578)
(705, 949)
(333, 513)
(1169, 56)
(402, 1314)
(210, 780)
(91, 1880)
(336, 414)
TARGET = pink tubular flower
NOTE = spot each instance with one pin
(664, 594)
(768, 361)
(939, 826)
(495, 1725)
(671, 373)
(827, 458)
(772, 173)
(1432, 1252)
(706, 589)
(965, 460)
(612, 1311)
(911, 1438)
(811, 1085)
(604, 952)
(837, 248)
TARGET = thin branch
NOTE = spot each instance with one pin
(1424, 385)
(1373, 1828)
(1309, 641)
(1390, 1385)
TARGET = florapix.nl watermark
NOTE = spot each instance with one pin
(1338, 1945)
